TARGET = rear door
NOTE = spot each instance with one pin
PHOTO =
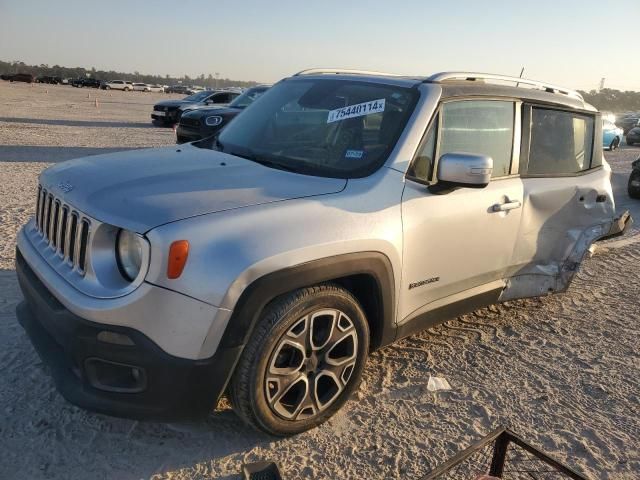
(568, 201)
(457, 244)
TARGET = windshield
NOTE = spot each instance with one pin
(333, 128)
(198, 97)
(247, 98)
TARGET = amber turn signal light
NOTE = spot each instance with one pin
(178, 254)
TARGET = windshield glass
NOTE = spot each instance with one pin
(333, 128)
(247, 98)
(198, 97)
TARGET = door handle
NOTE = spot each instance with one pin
(505, 207)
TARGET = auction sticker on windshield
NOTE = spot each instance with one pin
(358, 110)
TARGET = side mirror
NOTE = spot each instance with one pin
(464, 170)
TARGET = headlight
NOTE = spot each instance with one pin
(129, 254)
(213, 121)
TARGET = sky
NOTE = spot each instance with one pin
(567, 42)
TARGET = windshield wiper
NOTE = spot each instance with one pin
(263, 161)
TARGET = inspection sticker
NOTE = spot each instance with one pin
(354, 154)
(359, 110)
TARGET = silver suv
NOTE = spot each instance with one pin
(340, 212)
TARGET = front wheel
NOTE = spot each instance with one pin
(633, 187)
(303, 361)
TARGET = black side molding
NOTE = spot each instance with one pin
(422, 319)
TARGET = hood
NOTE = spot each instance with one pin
(141, 189)
(201, 111)
(174, 103)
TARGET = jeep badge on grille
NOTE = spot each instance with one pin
(66, 187)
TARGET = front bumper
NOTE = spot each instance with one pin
(186, 134)
(135, 379)
(170, 116)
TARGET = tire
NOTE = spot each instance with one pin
(630, 144)
(270, 388)
(107, 87)
(634, 190)
(614, 144)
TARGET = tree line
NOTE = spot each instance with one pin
(80, 72)
(616, 101)
(607, 99)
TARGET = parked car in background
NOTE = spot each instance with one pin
(22, 77)
(203, 122)
(168, 112)
(86, 82)
(628, 121)
(340, 212)
(611, 135)
(183, 89)
(49, 80)
(634, 180)
(633, 136)
(118, 85)
(156, 88)
(141, 87)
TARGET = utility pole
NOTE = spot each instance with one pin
(217, 75)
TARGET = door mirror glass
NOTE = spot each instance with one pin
(464, 170)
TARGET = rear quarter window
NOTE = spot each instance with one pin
(561, 142)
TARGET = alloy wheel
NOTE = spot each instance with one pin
(311, 364)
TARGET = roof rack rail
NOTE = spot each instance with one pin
(473, 76)
(341, 71)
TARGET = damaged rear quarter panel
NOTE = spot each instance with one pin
(561, 218)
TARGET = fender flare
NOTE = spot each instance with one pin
(260, 292)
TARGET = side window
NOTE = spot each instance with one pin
(221, 98)
(482, 127)
(422, 166)
(561, 142)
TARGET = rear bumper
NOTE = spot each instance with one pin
(619, 226)
(135, 379)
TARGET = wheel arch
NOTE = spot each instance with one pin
(367, 275)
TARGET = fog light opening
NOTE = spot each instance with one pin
(115, 377)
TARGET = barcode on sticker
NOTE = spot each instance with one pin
(359, 110)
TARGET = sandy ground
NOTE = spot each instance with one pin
(562, 371)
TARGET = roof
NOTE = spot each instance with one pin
(470, 83)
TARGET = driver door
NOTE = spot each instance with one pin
(458, 244)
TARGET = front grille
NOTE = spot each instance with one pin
(190, 122)
(64, 229)
(159, 109)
